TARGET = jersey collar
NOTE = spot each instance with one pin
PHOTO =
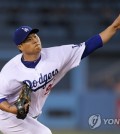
(30, 64)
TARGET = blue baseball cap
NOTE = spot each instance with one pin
(21, 34)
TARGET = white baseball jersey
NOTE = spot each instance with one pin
(55, 62)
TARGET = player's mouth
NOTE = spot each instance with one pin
(37, 45)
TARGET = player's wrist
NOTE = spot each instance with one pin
(13, 109)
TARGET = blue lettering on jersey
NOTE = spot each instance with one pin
(42, 81)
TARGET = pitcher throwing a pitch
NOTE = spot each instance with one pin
(40, 69)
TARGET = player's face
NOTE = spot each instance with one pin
(32, 44)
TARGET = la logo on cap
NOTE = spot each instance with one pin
(25, 29)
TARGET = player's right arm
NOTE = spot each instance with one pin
(109, 32)
(5, 106)
(4, 93)
(102, 38)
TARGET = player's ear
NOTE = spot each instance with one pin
(20, 47)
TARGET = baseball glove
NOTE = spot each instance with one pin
(23, 102)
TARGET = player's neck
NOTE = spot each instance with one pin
(30, 57)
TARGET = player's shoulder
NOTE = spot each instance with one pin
(12, 63)
(52, 51)
(57, 49)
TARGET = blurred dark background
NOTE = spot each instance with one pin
(91, 88)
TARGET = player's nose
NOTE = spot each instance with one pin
(34, 40)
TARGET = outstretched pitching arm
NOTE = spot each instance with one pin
(100, 39)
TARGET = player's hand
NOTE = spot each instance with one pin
(23, 102)
(27, 107)
(110, 31)
(14, 110)
(116, 23)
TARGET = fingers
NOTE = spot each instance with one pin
(116, 23)
(27, 107)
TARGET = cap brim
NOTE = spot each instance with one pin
(34, 31)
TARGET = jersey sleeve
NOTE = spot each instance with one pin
(71, 55)
(92, 44)
(3, 88)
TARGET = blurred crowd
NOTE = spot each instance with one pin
(61, 22)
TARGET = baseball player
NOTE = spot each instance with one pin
(41, 69)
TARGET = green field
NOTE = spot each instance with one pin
(81, 132)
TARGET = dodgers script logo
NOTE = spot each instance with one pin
(42, 81)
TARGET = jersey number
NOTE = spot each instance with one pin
(48, 89)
